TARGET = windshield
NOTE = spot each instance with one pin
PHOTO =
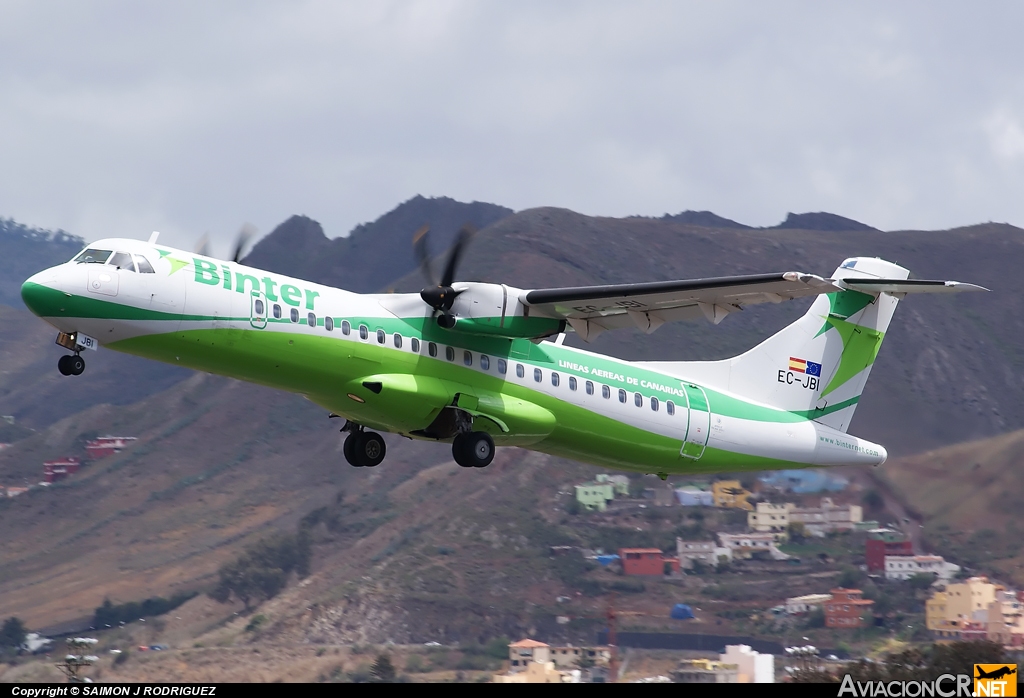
(93, 256)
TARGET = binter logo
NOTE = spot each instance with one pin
(995, 679)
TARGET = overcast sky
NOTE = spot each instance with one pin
(118, 118)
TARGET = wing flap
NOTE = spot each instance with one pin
(908, 286)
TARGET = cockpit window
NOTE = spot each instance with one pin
(143, 264)
(93, 256)
(122, 260)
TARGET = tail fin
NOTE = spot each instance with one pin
(818, 365)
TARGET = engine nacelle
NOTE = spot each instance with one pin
(495, 310)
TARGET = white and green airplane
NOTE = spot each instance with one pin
(479, 364)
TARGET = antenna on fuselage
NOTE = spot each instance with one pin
(153, 237)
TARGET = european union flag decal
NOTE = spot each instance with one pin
(813, 369)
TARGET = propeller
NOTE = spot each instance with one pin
(245, 233)
(440, 295)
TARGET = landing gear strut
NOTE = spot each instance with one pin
(364, 449)
(473, 450)
(71, 365)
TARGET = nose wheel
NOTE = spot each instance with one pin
(71, 365)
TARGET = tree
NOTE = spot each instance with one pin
(12, 634)
(797, 531)
(383, 671)
(921, 580)
(261, 572)
(873, 500)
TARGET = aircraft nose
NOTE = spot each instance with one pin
(40, 293)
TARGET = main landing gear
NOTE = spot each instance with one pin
(364, 449)
(473, 449)
(71, 365)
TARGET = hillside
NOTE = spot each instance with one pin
(969, 496)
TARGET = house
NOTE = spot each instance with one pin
(770, 518)
(798, 605)
(705, 671)
(648, 562)
(54, 470)
(827, 517)
(661, 496)
(15, 491)
(881, 543)
(705, 552)
(595, 496)
(804, 481)
(906, 566)
(104, 446)
(743, 546)
(694, 497)
(954, 612)
(730, 494)
(754, 667)
(531, 661)
(848, 609)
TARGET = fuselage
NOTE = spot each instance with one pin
(381, 360)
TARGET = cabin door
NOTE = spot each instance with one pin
(698, 422)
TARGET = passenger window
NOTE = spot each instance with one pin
(93, 256)
(364, 332)
(258, 307)
(590, 388)
(606, 392)
(502, 366)
(143, 264)
(380, 336)
(520, 371)
(654, 404)
(311, 319)
(346, 327)
(538, 375)
(329, 324)
(485, 362)
(554, 379)
(122, 260)
(670, 407)
(415, 345)
(622, 396)
(432, 349)
(638, 399)
(449, 353)
(572, 382)
(398, 341)
(277, 312)
(295, 314)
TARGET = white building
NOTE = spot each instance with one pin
(827, 517)
(694, 497)
(906, 566)
(805, 603)
(706, 552)
(754, 667)
(770, 518)
(743, 546)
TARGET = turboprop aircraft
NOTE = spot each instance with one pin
(480, 365)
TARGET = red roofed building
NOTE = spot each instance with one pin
(54, 470)
(847, 609)
(647, 561)
(107, 446)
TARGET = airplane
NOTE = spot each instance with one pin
(481, 365)
(995, 673)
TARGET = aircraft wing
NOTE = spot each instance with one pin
(592, 309)
(908, 286)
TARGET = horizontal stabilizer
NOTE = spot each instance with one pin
(908, 286)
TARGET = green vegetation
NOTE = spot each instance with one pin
(914, 664)
(383, 671)
(109, 614)
(12, 635)
(261, 572)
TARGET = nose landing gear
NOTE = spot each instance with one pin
(71, 365)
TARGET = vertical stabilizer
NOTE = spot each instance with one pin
(818, 365)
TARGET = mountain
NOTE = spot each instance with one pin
(374, 253)
(969, 496)
(27, 250)
(828, 222)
